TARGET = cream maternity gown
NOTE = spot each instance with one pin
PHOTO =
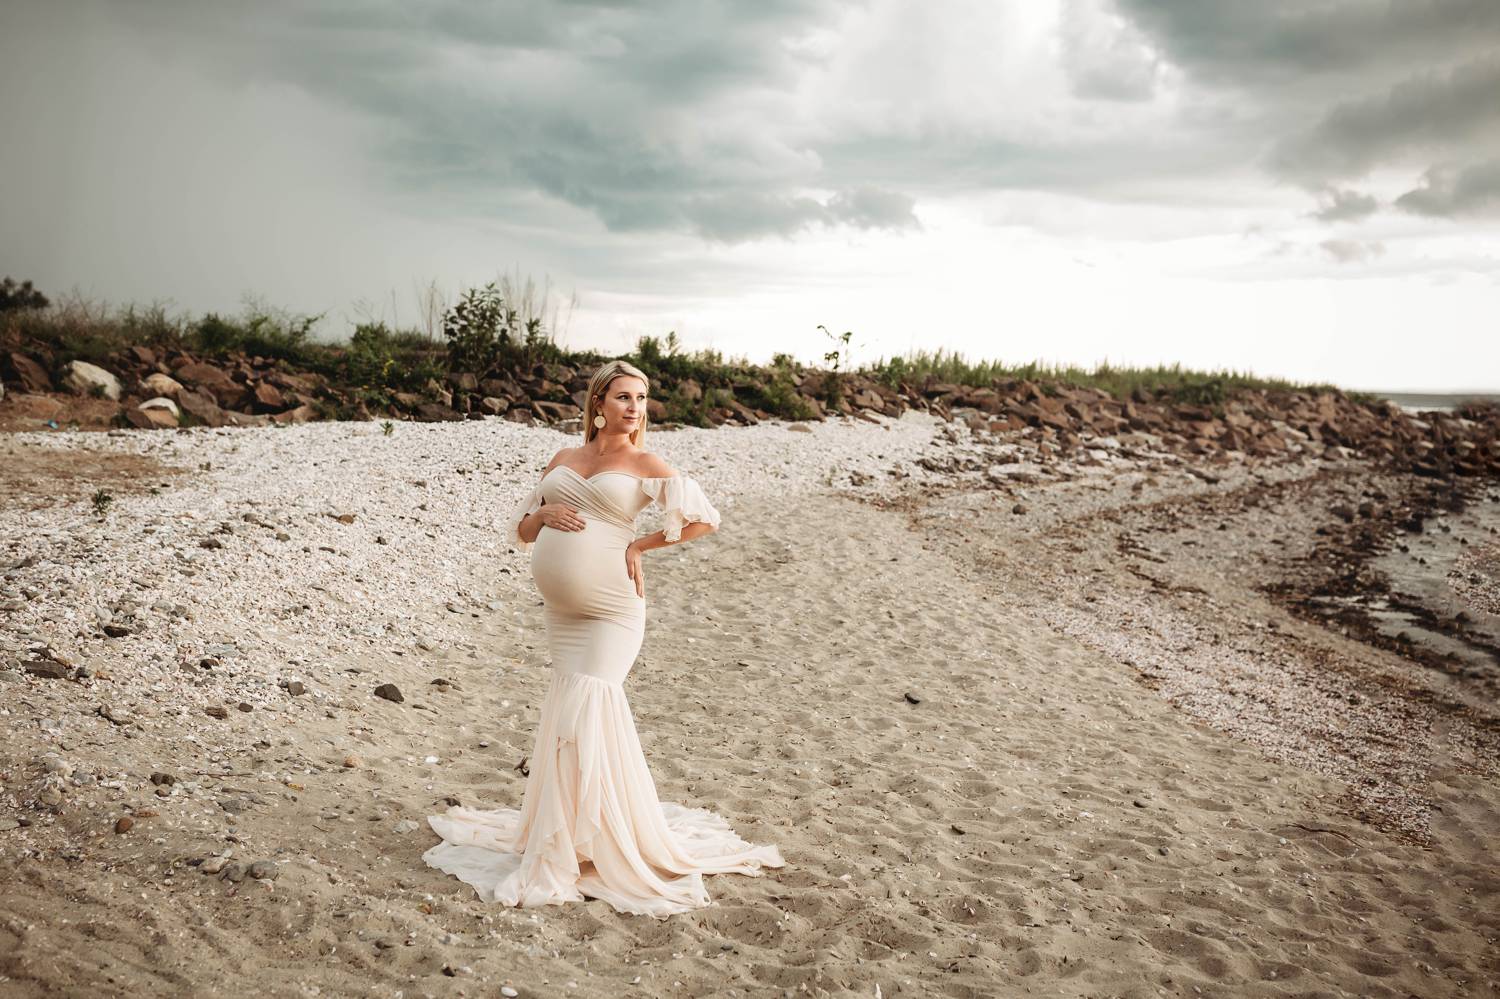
(590, 824)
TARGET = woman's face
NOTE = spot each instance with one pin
(624, 405)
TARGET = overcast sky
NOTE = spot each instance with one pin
(1310, 190)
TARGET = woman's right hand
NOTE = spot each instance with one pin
(561, 517)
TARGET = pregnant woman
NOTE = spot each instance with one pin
(590, 824)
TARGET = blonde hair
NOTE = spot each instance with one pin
(599, 385)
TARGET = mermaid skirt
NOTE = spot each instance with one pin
(590, 824)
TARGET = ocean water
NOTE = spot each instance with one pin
(1423, 601)
(1416, 402)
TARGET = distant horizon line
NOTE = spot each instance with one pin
(1457, 393)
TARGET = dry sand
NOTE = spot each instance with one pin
(1045, 820)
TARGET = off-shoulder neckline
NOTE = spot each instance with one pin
(614, 471)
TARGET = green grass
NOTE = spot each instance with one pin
(1173, 380)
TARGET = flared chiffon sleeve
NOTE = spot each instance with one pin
(682, 502)
(529, 504)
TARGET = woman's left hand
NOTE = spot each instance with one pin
(633, 568)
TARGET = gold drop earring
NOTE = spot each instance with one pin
(599, 420)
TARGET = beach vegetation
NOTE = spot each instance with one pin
(511, 328)
(1184, 385)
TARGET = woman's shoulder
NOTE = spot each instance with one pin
(653, 466)
(558, 458)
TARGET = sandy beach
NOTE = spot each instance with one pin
(1017, 730)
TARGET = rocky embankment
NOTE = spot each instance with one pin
(144, 388)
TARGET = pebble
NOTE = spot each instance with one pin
(264, 870)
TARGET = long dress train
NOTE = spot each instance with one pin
(590, 824)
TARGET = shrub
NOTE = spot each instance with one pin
(260, 332)
(485, 330)
(14, 297)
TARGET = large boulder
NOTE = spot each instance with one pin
(202, 406)
(269, 397)
(553, 412)
(301, 414)
(158, 384)
(208, 377)
(32, 376)
(161, 402)
(432, 412)
(293, 383)
(161, 413)
(83, 378)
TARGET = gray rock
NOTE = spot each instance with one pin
(264, 870)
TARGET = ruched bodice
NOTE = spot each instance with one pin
(582, 574)
(616, 497)
(590, 823)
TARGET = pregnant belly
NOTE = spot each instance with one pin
(583, 572)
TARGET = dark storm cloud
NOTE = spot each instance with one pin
(622, 109)
(1471, 191)
(1349, 87)
(1434, 112)
(697, 116)
(676, 116)
(1281, 42)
